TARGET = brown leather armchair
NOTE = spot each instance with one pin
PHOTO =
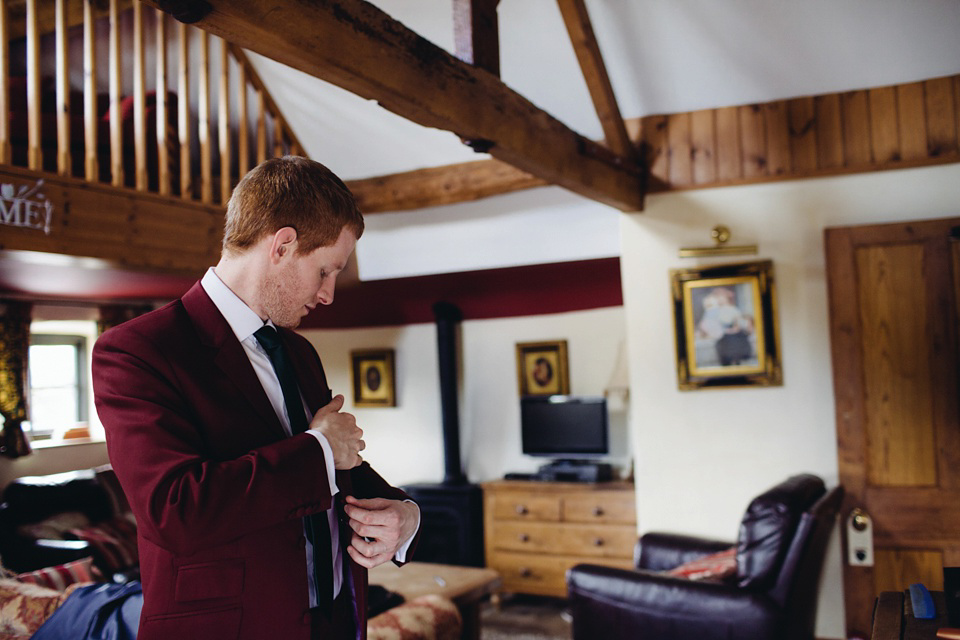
(772, 596)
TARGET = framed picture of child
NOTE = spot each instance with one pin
(725, 320)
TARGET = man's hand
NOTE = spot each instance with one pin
(341, 431)
(380, 528)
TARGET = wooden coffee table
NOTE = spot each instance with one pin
(465, 586)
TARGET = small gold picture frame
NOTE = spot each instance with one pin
(373, 378)
(542, 368)
(726, 331)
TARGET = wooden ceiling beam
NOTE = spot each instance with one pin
(358, 47)
(476, 33)
(438, 186)
(585, 45)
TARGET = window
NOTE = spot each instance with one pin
(58, 379)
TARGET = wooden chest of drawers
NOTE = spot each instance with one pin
(535, 531)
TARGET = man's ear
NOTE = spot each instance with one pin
(284, 243)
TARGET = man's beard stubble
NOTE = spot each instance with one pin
(277, 301)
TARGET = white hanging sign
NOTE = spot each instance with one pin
(26, 207)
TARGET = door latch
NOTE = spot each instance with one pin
(859, 539)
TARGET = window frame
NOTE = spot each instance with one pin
(79, 342)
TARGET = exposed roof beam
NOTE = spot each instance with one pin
(804, 137)
(585, 45)
(476, 34)
(439, 186)
(356, 46)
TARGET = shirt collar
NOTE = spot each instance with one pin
(241, 318)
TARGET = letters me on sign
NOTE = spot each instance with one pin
(24, 206)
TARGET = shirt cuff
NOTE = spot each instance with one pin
(328, 461)
(401, 555)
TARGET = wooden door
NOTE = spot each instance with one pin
(893, 293)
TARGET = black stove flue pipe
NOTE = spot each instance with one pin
(448, 316)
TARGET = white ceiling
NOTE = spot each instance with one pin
(663, 56)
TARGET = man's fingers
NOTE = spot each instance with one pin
(367, 561)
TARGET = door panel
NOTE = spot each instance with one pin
(894, 335)
(893, 320)
(896, 568)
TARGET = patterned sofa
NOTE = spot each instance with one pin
(25, 606)
(64, 534)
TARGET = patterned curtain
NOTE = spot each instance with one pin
(14, 348)
(113, 314)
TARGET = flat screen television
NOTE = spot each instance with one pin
(564, 426)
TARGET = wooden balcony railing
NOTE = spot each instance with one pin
(164, 130)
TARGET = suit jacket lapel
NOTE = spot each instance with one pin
(215, 333)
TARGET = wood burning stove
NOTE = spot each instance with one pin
(451, 512)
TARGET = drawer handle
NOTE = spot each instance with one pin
(524, 537)
(598, 511)
(598, 542)
(522, 510)
(525, 572)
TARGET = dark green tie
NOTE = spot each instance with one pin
(317, 527)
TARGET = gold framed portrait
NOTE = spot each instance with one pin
(542, 368)
(725, 321)
(373, 378)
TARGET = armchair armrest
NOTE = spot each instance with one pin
(661, 551)
(638, 603)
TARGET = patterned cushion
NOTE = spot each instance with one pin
(716, 566)
(114, 542)
(430, 617)
(62, 576)
(25, 606)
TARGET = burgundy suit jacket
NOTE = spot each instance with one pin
(218, 489)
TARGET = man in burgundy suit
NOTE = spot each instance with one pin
(257, 518)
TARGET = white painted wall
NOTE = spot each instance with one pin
(702, 455)
(405, 443)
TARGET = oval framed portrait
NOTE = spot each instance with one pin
(542, 368)
(372, 371)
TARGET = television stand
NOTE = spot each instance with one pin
(575, 471)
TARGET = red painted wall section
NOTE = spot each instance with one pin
(494, 293)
